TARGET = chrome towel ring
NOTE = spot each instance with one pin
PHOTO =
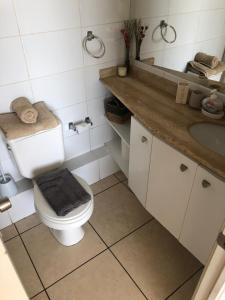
(163, 31)
(163, 25)
(88, 38)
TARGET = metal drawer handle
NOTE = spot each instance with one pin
(205, 184)
(183, 168)
(144, 139)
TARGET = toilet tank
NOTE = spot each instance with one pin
(38, 153)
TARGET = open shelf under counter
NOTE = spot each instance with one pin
(123, 130)
(114, 147)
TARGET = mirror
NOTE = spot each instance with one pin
(177, 31)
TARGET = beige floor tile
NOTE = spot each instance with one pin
(104, 184)
(100, 279)
(187, 290)
(117, 212)
(9, 232)
(24, 266)
(27, 223)
(52, 260)
(155, 260)
(42, 296)
(121, 176)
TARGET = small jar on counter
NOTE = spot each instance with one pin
(122, 71)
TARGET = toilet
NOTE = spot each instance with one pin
(41, 152)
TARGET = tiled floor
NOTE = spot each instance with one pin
(125, 254)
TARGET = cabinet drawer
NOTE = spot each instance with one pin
(139, 162)
(170, 181)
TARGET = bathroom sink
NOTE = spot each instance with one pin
(209, 135)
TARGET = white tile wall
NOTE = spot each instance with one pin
(5, 220)
(215, 46)
(77, 144)
(101, 135)
(89, 172)
(9, 166)
(8, 24)
(53, 52)
(93, 87)
(153, 42)
(104, 11)
(41, 58)
(179, 7)
(75, 113)
(107, 166)
(150, 8)
(113, 40)
(47, 15)
(211, 24)
(60, 90)
(186, 26)
(96, 111)
(12, 62)
(22, 205)
(200, 24)
(13, 91)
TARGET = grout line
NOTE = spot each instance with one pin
(128, 274)
(181, 285)
(47, 295)
(76, 268)
(108, 248)
(20, 233)
(31, 260)
(5, 241)
(107, 188)
(136, 229)
(39, 294)
(36, 295)
(45, 288)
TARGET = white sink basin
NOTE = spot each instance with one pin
(209, 135)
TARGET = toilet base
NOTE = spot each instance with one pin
(68, 237)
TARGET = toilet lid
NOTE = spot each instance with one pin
(45, 209)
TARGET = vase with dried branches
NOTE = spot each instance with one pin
(139, 32)
(128, 32)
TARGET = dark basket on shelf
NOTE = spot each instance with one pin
(115, 110)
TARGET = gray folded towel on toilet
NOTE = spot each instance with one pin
(62, 191)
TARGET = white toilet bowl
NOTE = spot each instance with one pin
(68, 229)
(33, 160)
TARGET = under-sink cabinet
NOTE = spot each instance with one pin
(169, 187)
(139, 162)
(205, 214)
(185, 198)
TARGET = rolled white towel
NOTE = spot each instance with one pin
(24, 110)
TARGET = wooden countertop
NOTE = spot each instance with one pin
(156, 109)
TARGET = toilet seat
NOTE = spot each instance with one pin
(75, 218)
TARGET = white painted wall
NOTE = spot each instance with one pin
(41, 57)
(200, 26)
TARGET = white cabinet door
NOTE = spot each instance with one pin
(139, 162)
(170, 181)
(205, 215)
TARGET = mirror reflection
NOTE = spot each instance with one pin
(185, 38)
